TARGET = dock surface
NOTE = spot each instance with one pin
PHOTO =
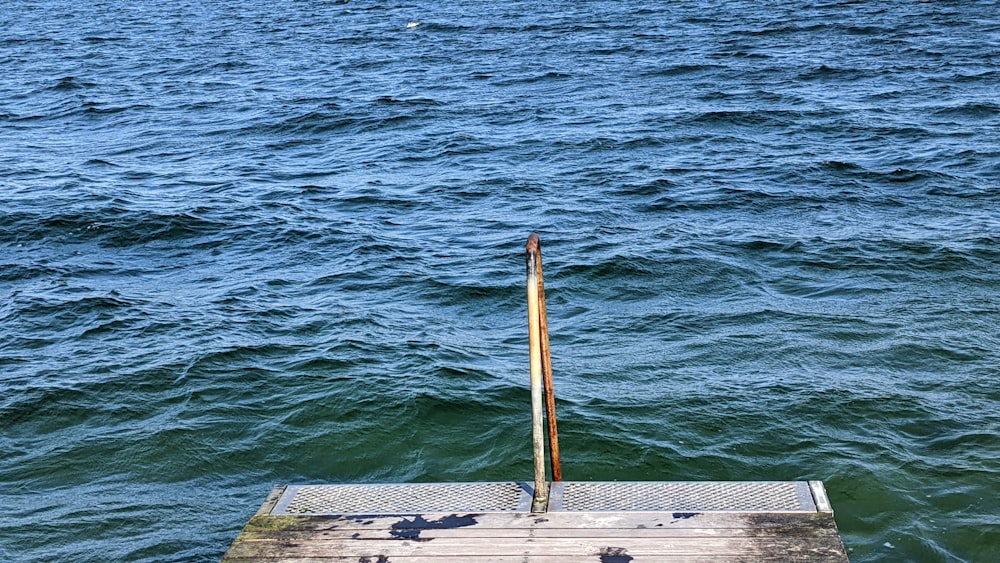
(616, 522)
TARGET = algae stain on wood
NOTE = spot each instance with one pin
(260, 527)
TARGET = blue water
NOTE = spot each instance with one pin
(249, 243)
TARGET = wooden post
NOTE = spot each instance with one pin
(541, 496)
(550, 395)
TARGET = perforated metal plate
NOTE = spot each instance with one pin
(410, 498)
(711, 496)
(419, 498)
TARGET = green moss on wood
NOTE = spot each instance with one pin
(267, 526)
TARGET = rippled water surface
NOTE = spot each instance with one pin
(244, 243)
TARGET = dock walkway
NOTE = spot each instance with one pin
(607, 522)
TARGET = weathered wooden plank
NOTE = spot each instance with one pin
(589, 520)
(271, 500)
(415, 526)
(624, 558)
(499, 533)
(819, 496)
(538, 547)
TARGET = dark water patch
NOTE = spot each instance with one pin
(682, 70)
(785, 28)
(550, 76)
(971, 110)
(984, 76)
(112, 226)
(19, 41)
(609, 51)
(748, 118)
(95, 108)
(68, 310)
(905, 175)
(868, 30)
(872, 177)
(311, 123)
(433, 26)
(961, 440)
(13, 272)
(886, 256)
(72, 83)
(842, 166)
(99, 162)
(95, 39)
(833, 73)
(413, 102)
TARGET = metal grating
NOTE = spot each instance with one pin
(710, 496)
(419, 498)
(410, 498)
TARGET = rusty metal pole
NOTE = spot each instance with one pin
(541, 497)
(550, 396)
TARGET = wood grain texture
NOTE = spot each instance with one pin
(601, 537)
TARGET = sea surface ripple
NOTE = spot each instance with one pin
(247, 243)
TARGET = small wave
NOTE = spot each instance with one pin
(987, 77)
(97, 108)
(418, 102)
(99, 39)
(871, 30)
(544, 77)
(826, 72)
(904, 175)
(310, 123)
(885, 257)
(111, 226)
(894, 176)
(971, 110)
(99, 162)
(82, 306)
(67, 83)
(837, 166)
(424, 26)
(18, 41)
(682, 70)
(652, 188)
(617, 50)
(14, 272)
(746, 118)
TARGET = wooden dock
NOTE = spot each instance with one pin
(602, 522)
